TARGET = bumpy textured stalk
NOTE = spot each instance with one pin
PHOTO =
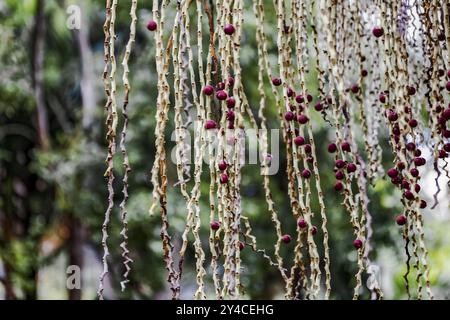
(110, 88)
(126, 163)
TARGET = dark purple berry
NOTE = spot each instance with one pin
(215, 225)
(223, 165)
(339, 175)
(302, 223)
(276, 81)
(223, 178)
(332, 148)
(299, 141)
(210, 124)
(221, 95)
(357, 244)
(392, 172)
(351, 167)
(151, 25)
(340, 163)
(378, 31)
(302, 119)
(306, 174)
(289, 116)
(286, 238)
(208, 90)
(229, 29)
(401, 220)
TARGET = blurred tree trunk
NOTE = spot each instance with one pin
(38, 75)
(88, 96)
(89, 103)
(75, 246)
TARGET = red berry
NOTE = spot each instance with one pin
(241, 245)
(405, 184)
(414, 172)
(302, 119)
(339, 175)
(410, 146)
(396, 180)
(442, 154)
(408, 195)
(392, 172)
(351, 167)
(302, 223)
(446, 133)
(364, 73)
(230, 115)
(401, 220)
(276, 81)
(299, 99)
(299, 141)
(392, 116)
(231, 102)
(306, 174)
(332, 148)
(223, 178)
(411, 90)
(423, 204)
(286, 238)
(309, 97)
(220, 86)
(446, 114)
(289, 116)
(338, 186)
(377, 31)
(357, 244)
(382, 98)
(346, 146)
(230, 81)
(151, 25)
(221, 95)
(223, 165)
(401, 165)
(215, 225)
(447, 147)
(340, 163)
(419, 161)
(354, 88)
(313, 230)
(318, 106)
(208, 90)
(413, 123)
(447, 86)
(417, 188)
(210, 124)
(229, 29)
(396, 130)
(290, 92)
(308, 148)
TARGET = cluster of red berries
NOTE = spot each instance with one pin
(223, 165)
(443, 129)
(341, 166)
(302, 225)
(222, 95)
